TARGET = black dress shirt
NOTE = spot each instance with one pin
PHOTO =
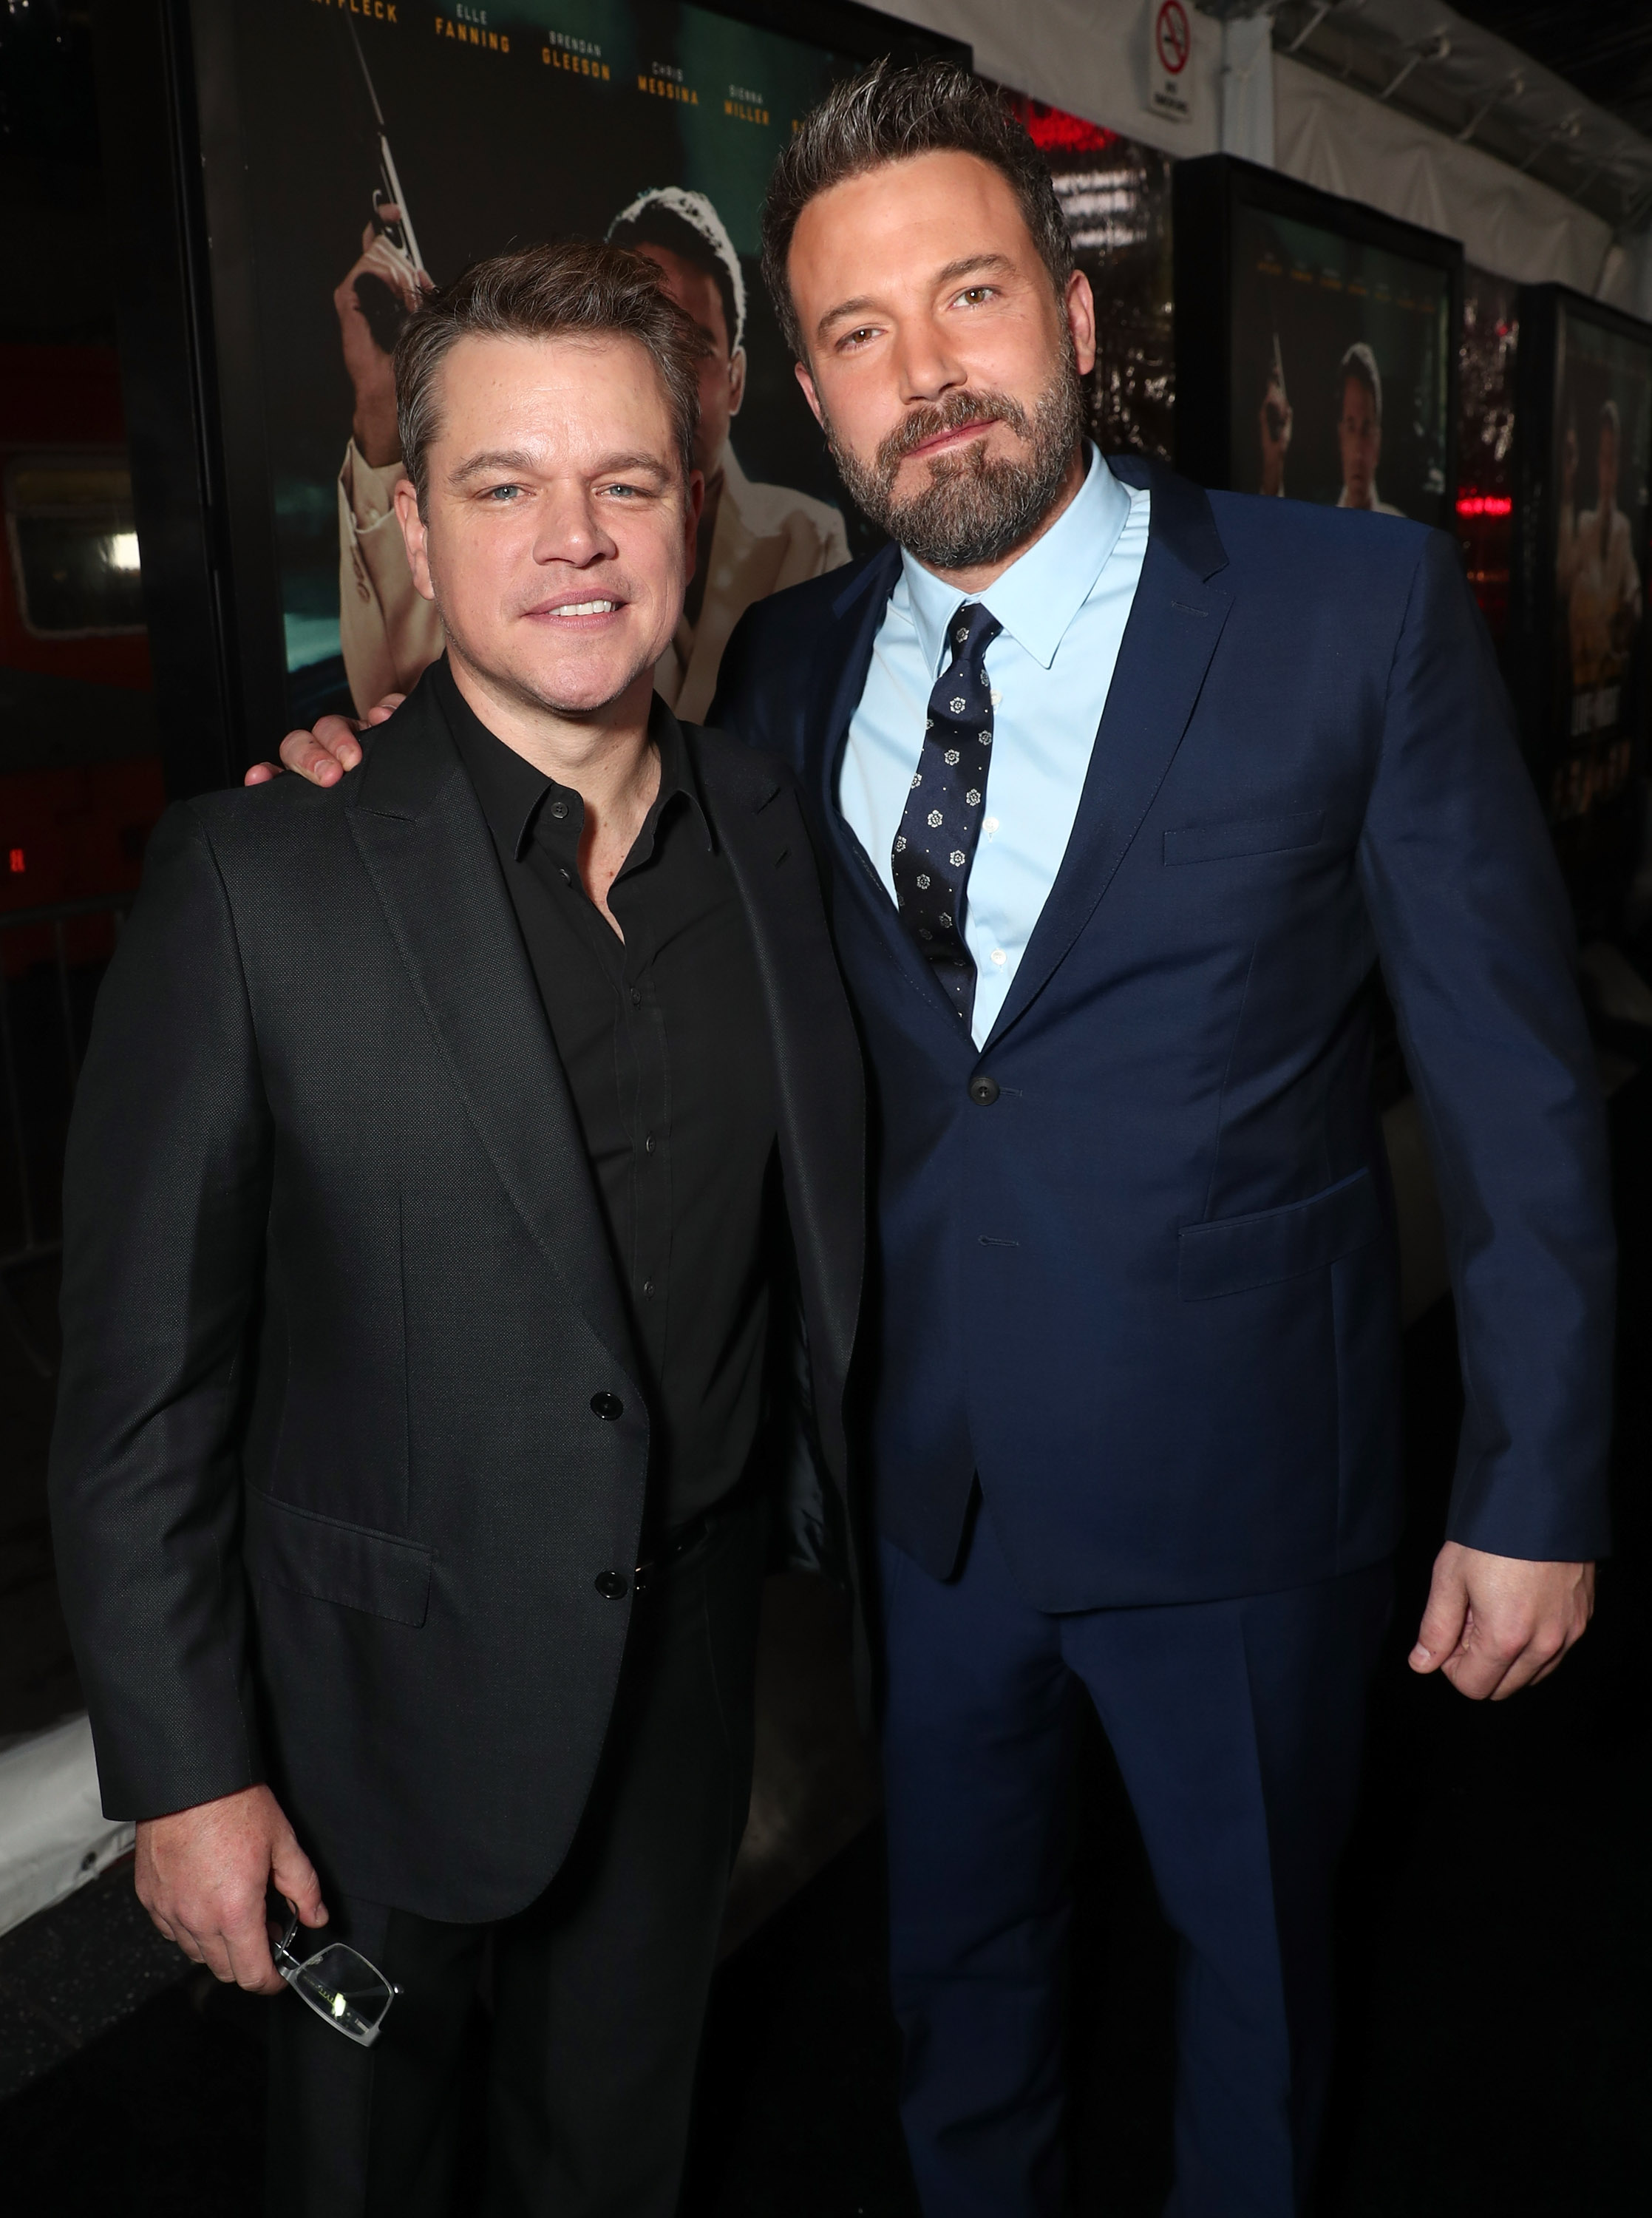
(664, 1041)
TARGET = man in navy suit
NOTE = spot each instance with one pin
(1125, 789)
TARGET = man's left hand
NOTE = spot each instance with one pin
(1495, 1624)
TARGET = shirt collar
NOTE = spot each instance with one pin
(512, 792)
(1041, 592)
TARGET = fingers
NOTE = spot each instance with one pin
(261, 773)
(294, 1876)
(1445, 1616)
(247, 1957)
(203, 1874)
(381, 711)
(1478, 1669)
(323, 755)
(337, 735)
(1495, 1624)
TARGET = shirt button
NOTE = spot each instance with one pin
(648, 1144)
(647, 1286)
(609, 1408)
(567, 879)
(611, 1585)
(997, 698)
(998, 957)
(559, 809)
(989, 825)
(983, 1089)
(636, 997)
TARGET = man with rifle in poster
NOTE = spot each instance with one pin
(754, 539)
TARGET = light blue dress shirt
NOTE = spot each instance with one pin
(1063, 606)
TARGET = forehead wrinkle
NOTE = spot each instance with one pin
(517, 458)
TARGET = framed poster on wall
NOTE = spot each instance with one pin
(350, 152)
(1583, 534)
(1316, 352)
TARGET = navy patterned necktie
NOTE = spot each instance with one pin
(941, 822)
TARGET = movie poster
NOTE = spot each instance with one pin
(1602, 460)
(1340, 385)
(388, 145)
(1115, 193)
(1487, 353)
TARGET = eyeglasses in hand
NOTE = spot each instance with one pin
(338, 1982)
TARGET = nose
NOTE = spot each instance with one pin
(925, 365)
(569, 527)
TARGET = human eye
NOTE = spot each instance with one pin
(975, 296)
(502, 496)
(852, 342)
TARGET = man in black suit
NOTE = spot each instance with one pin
(418, 1309)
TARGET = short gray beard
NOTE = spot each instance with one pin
(973, 509)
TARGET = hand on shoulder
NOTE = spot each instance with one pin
(323, 755)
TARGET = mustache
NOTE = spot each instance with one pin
(925, 423)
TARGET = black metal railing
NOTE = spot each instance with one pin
(51, 961)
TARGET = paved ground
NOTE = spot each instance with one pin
(1497, 1954)
(38, 1684)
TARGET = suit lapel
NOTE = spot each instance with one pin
(422, 835)
(821, 1110)
(1174, 623)
(861, 610)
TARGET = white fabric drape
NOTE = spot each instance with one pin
(1090, 56)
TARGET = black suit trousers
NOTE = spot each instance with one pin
(586, 2007)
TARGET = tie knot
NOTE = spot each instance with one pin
(971, 632)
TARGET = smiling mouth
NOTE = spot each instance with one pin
(584, 609)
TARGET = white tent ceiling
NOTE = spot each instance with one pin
(1090, 56)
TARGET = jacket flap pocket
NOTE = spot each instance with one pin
(351, 1564)
(1234, 1254)
(1264, 835)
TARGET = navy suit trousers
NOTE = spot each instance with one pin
(1237, 1727)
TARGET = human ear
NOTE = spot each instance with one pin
(416, 537)
(806, 380)
(1079, 308)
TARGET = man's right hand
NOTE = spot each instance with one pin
(323, 755)
(203, 1874)
(368, 365)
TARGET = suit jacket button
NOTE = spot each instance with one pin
(611, 1585)
(983, 1089)
(608, 1407)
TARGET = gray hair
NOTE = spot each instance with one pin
(686, 223)
(891, 113)
(577, 288)
(1360, 363)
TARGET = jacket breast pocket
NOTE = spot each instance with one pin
(1232, 1254)
(379, 1573)
(1261, 835)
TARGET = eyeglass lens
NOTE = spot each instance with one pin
(343, 1987)
(338, 1982)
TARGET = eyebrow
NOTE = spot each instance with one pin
(517, 459)
(950, 272)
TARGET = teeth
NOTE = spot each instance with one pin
(586, 608)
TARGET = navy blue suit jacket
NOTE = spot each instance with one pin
(1150, 1293)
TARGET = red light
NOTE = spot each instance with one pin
(1484, 503)
(19, 863)
(1055, 131)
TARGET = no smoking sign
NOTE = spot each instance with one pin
(1171, 36)
(1170, 45)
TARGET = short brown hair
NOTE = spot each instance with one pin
(890, 113)
(576, 287)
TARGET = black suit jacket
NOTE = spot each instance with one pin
(331, 1488)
